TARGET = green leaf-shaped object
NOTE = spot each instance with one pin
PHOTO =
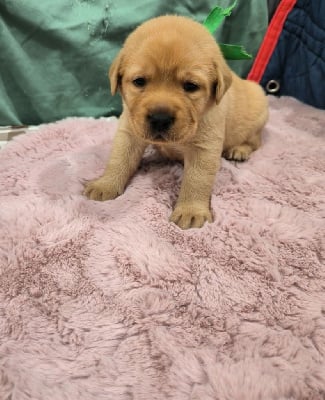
(216, 16)
(213, 21)
(234, 52)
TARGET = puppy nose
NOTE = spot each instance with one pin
(160, 122)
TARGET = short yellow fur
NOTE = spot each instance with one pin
(225, 116)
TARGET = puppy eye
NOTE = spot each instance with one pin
(190, 87)
(139, 82)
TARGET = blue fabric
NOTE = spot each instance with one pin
(298, 62)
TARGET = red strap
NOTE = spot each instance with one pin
(270, 40)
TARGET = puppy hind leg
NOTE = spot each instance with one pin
(243, 151)
(238, 153)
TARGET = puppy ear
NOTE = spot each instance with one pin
(114, 73)
(224, 79)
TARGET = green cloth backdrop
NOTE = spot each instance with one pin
(54, 55)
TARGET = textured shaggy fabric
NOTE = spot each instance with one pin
(111, 301)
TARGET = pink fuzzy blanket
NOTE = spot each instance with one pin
(109, 301)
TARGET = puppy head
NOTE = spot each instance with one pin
(170, 71)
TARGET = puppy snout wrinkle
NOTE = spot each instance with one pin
(160, 122)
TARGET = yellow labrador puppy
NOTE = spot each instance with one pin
(180, 95)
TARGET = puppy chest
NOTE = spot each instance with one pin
(171, 152)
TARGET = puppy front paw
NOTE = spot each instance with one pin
(191, 215)
(102, 189)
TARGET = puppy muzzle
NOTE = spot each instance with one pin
(160, 123)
